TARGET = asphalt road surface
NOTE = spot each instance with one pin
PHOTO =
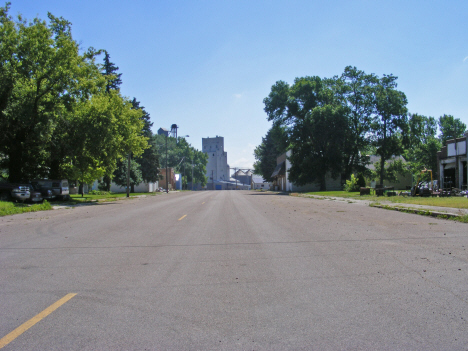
(232, 270)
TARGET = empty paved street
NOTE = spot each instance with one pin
(232, 270)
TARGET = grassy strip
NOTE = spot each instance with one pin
(454, 201)
(105, 197)
(10, 208)
(423, 212)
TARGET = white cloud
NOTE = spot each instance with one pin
(237, 96)
(466, 58)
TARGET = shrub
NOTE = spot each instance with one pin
(353, 184)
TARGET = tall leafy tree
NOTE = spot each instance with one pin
(120, 174)
(273, 144)
(355, 90)
(42, 77)
(423, 144)
(113, 82)
(149, 161)
(390, 123)
(316, 124)
(317, 145)
(450, 128)
(106, 129)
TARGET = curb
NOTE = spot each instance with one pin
(419, 211)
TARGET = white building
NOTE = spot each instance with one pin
(282, 182)
(217, 168)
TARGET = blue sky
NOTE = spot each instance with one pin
(208, 65)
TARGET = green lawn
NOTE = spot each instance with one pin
(454, 201)
(106, 197)
(9, 208)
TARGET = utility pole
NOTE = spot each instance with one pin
(212, 180)
(192, 173)
(167, 179)
(128, 176)
(235, 171)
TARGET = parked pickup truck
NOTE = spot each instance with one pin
(19, 192)
(51, 188)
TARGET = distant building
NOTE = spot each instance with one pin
(258, 183)
(163, 131)
(401, 182)
(243, 177)
(217, 168)
(171, 176)
(282, 182)
(452, 161)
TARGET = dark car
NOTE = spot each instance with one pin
(34, 195)
(51, 188)
(45, 191)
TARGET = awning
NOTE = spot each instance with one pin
(278, 169)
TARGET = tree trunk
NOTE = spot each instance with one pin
(15, 160)
(55, 170)
(382, 168)
(323, 183)
(107, 182)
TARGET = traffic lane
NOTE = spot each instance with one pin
(110, 239)
(63, 256)
(75, 268)
(200, 278)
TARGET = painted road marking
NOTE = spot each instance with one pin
(25, 326)
(202, 203)
(181, 218)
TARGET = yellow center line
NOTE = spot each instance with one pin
(181, 218)
(25, 326)
(202, 203)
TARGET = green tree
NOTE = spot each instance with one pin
(200, 159)
(180, 154)
(120, 174)
(110, 72)
(317, 146)
(450, 128)
(390, 123)
(149, 160)
(273, 144)
(106, 129)
(316, 125)
(42, 77)
(421, 151)
(145, 117)
(355, 90)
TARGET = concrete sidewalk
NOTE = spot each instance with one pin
(433, 210)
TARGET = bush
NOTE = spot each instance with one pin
(355, 183)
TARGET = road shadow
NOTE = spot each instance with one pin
(269, 193)
(73, 205)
